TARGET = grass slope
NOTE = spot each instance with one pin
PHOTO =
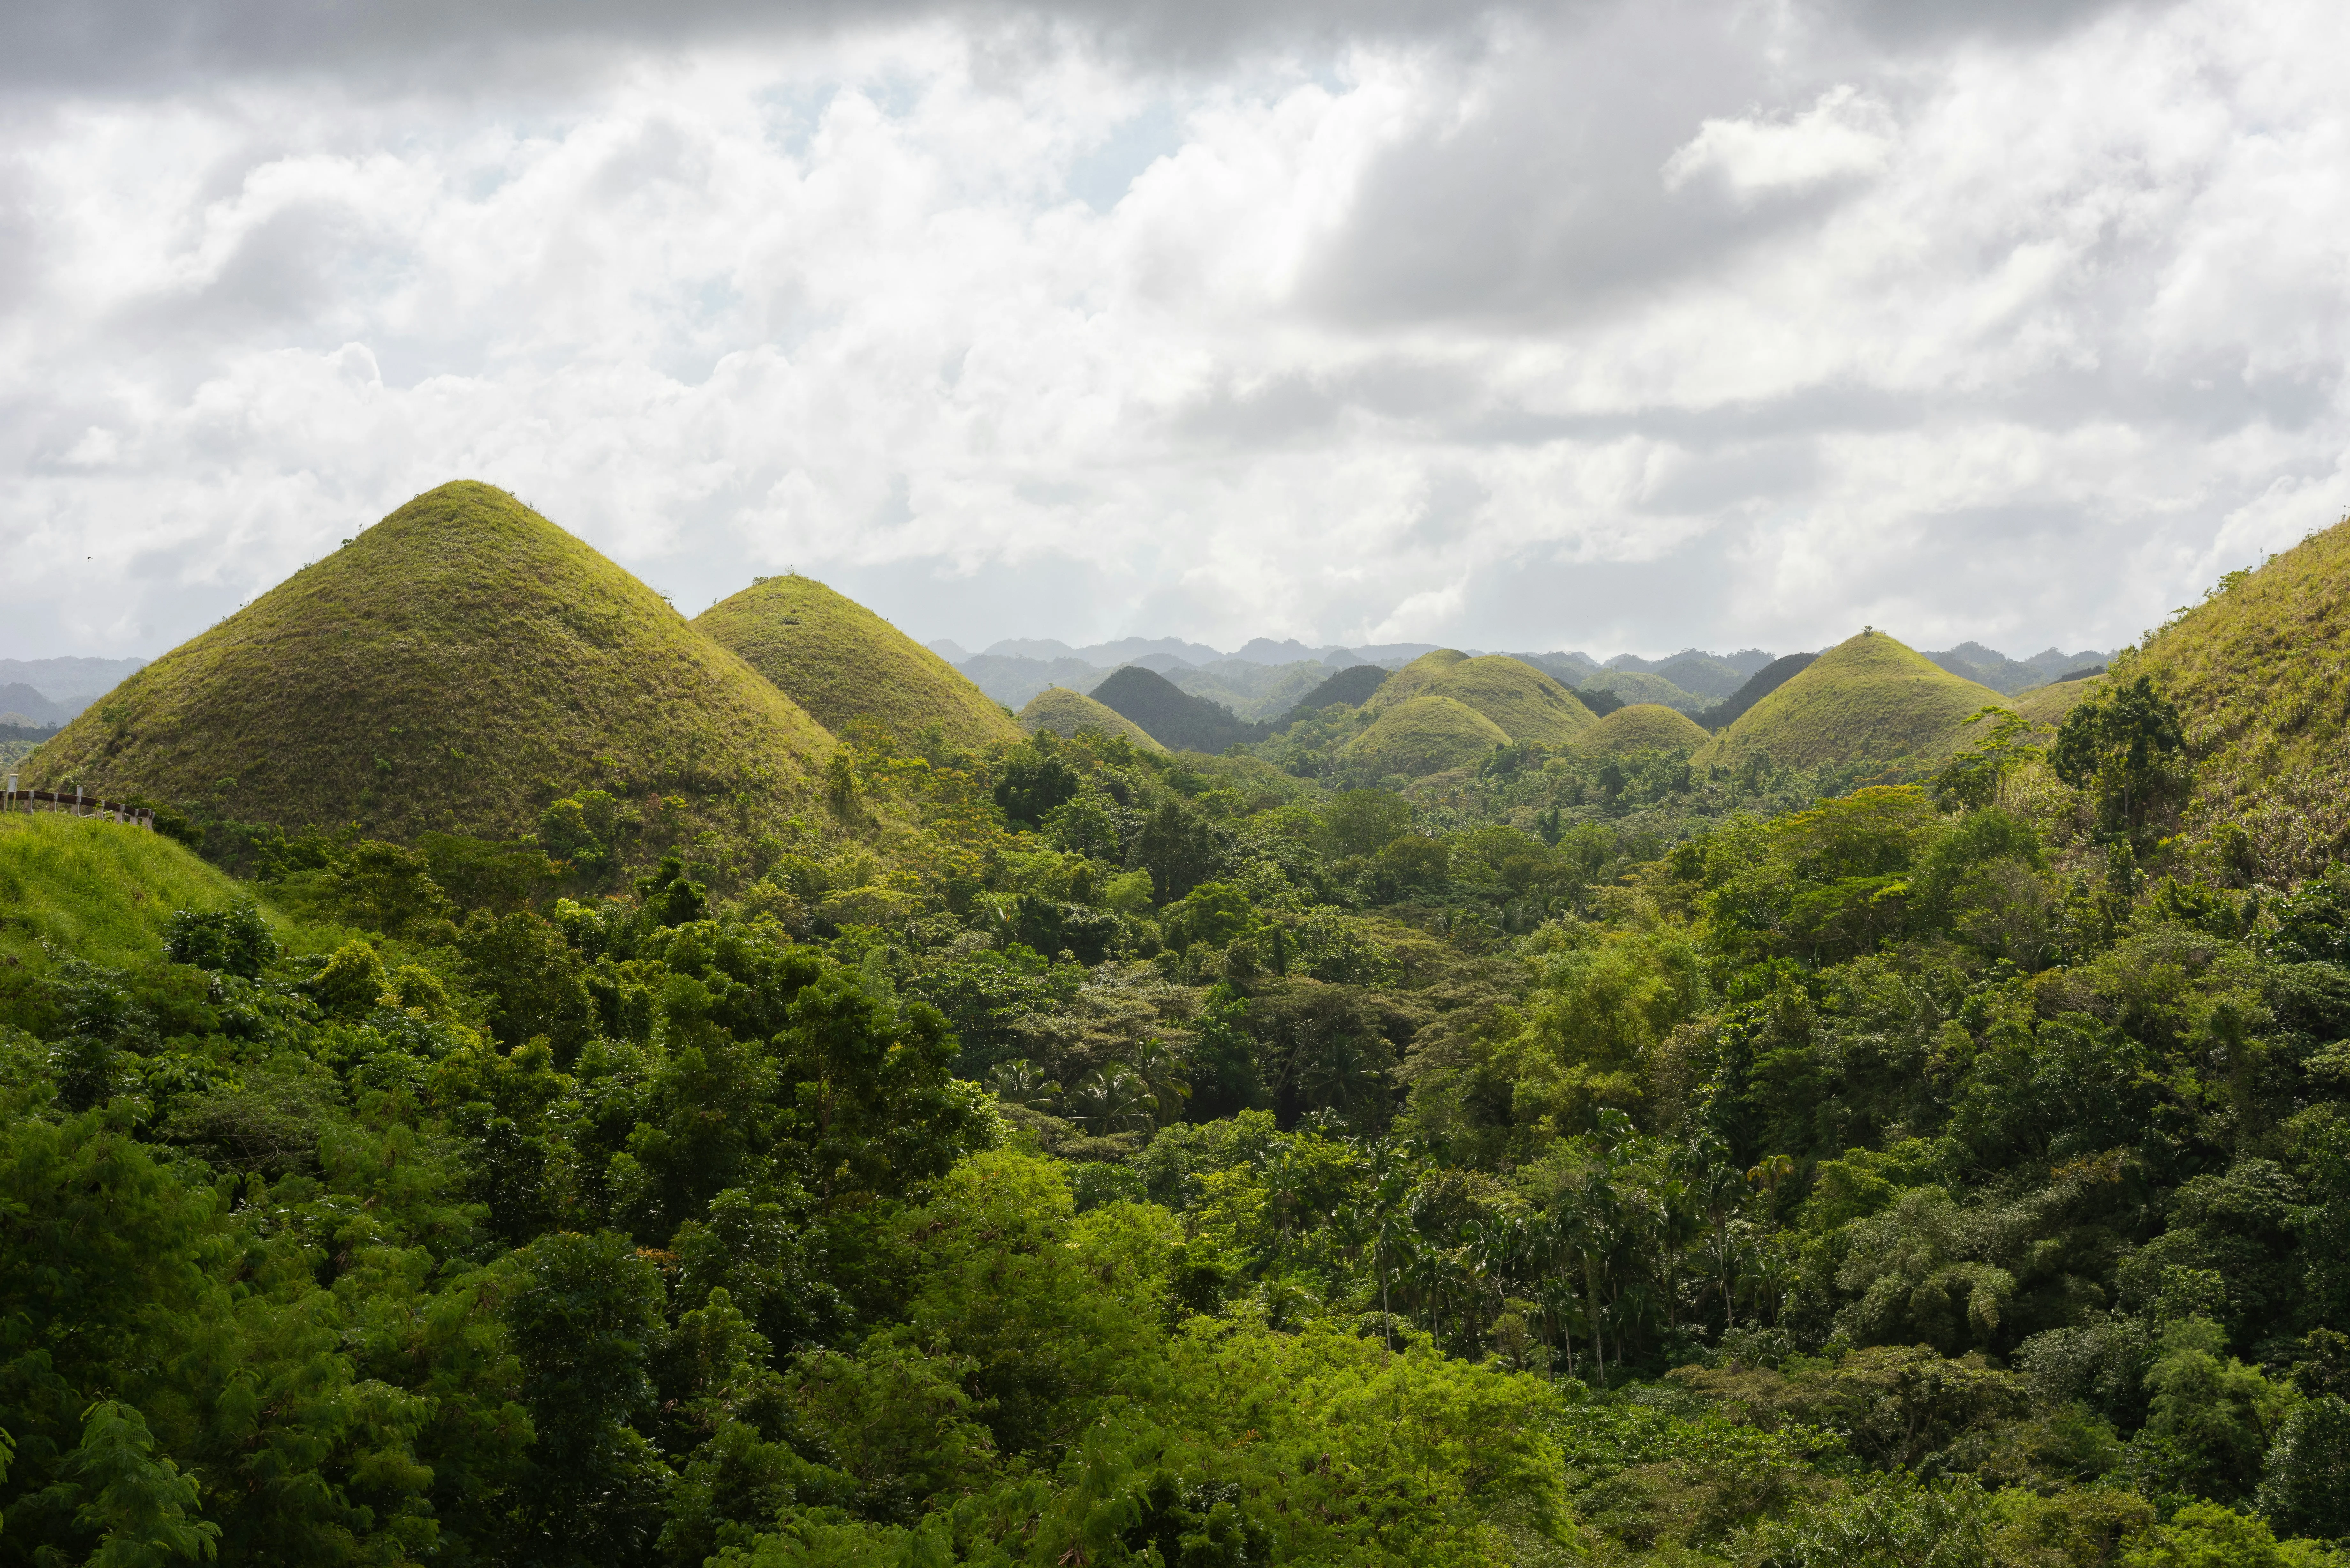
(1759, 685)
(1065, 713)
(1414, 678)
(1523, 703)
(1352, 686)
(2048, 704)
(95, 891)
(1869, 699)
(455, 667)
(1424, 735)
(1170, 715)
(1635, 686)
(1642, 727)
(2260, 671)
(841, 661)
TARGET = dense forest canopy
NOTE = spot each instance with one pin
(994, 1147)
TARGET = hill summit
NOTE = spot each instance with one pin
(841, 661)
(1869, 699)
(455, 667)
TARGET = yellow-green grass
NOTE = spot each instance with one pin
(2260, 672)
(1869, 699)
(454, 667)
(1638, 686)
(78, 888)
(1642, 727)
(1424, 735)
(2048, 704)
(1065, 713)
(1523, 703)
(841, 661)
(1414, 678)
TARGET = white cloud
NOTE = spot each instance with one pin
(2015, 338)
(1846, 134)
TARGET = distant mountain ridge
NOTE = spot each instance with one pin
(1263, 678)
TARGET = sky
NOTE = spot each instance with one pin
(1610, 326)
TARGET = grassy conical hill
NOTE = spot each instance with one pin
(1425, 735)
(1869, 699)
(841, 661)
(1522, 701)
(455, 667)
(2260, 672)
(97, 890)
(1642, 727)
(1065, 713)
(1414, 678)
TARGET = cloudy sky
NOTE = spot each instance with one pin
(1594, 325)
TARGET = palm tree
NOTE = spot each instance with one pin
(1112, 1100)
(1767, 1174)
(1163, 1075)
(1022, 1082)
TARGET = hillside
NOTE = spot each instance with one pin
(2258, 671)
(1869, 699)
(1640, 686)
(1759, 685)
(98, 891)
(1171, 716)
(1642, 727)
(1415, 678)
(1353, 687)
(841, 661)
(455, 667)
(1065, 713)
(1524, 703)
(1702, 674)
(2048, 704)
(1424, 735)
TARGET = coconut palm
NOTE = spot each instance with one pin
(1112, 1100)
(1022, 1082)
(1164, 1075)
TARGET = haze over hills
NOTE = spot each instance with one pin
(1263, 678)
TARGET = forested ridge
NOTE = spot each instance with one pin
(1060, 1151)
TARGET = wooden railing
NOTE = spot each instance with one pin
(76, 805)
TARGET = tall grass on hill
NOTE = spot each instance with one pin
(98, 891)
(2261, 674)
(1427, 734)
(842, 662)
(1066, 712)
(1522, 702)
(1869, 699)
(456, 667)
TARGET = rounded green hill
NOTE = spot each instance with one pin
(1424, 735)
(1065, 713)
(1414, 678)
(2259, 670)
(455, 667)
(841, 661)
(1867, 700)
(1642, 727)
(1521, 701)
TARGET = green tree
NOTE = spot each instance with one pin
(2126, 745)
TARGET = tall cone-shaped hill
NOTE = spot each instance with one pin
(2260, 672)
(841, 661)
(1642, 727)
(1414, 678)
(1065, 713)
(454, 667)
(1869, 699)
(1523, 703)
(1424, 735)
